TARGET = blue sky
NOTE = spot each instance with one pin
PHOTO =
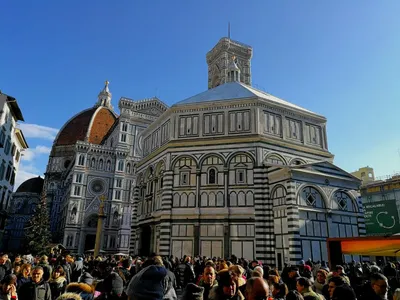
(338, 58)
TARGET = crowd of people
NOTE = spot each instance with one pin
(63, 277)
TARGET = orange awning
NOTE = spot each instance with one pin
(370, 246)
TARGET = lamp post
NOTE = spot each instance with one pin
(100, 220)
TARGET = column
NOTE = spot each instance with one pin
(166, 206)
(292, 211)
(264, 217)
(134, 221)
(227, 246)
(196, 243)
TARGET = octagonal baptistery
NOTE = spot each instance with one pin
(235, 170)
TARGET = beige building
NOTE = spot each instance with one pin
(235, 170)
(365, 174)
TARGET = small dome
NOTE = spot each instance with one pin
(32, 185)
(93, 123)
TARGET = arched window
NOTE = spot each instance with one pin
(81, 160)
(212, 178)
(121, 165)
(311, 197)
(343, 201)
(111, 142)
(93, 163)
(275, 160)
(161, 180)
(101, 164)
(128, 168)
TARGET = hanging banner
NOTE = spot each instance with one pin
(381, 218)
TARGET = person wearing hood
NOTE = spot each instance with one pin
(57, 282)
(47, 269)
(293, 277)
(193, 292)
(76, 269)
(84, 287)
(148, 284)
(69, 296)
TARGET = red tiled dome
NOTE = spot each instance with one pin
(96, 121)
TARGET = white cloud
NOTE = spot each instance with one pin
(31, 153)
(38, 131)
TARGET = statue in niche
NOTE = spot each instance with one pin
(73, 215)
(116, 219)
(108, 165)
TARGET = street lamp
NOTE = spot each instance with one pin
(100, 220)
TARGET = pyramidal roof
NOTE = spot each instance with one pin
(235, 91)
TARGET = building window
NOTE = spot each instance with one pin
(344, 201)
(117, 195)
(111, 142)
(185, 178)
(118, 183)
(13, 149)
(101, 164)
(77, 191)
(17, 157)
(108, 165)
(239, 121)
(212, 177)
(7, 147)
(12, 181)
(2, 138)
(123, 137)
(81, 160)
(2, 170)
(8, 173)
(273, 123)
(124, 127)
(128, 168)
(188, 125)
(121, 165)
(240, 176)
(294, 129)
(78, 178)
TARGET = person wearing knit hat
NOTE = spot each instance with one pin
(113, 286)
(148, 284)
(193, 292)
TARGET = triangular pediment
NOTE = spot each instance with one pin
(152, 111)
(183, 168)
(325, 168)
(240, 165)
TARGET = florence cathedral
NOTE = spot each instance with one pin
(232, 170)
